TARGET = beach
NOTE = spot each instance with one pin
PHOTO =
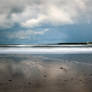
(46, 73)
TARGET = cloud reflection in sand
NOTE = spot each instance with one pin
(45, 74)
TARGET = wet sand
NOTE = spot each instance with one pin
(46, 73)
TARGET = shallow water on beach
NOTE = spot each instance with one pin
(46, 73)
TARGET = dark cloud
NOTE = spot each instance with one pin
(38, 12)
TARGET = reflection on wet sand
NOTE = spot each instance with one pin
(37, 73)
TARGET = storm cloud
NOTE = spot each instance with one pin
(31, 13)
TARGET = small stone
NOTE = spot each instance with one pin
(10, 80)
(65, 80)
(29, 83)
(61, 68)
(45, 75)
(90, 74)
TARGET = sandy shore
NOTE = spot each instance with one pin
(27, 73)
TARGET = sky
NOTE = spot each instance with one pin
(45, 21)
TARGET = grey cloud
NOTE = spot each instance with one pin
(31, 13)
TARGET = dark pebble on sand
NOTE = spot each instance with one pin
(10, 80)
(90, 75)
(29, 83)
(65, 80)
(61, 68)
(45, 76)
